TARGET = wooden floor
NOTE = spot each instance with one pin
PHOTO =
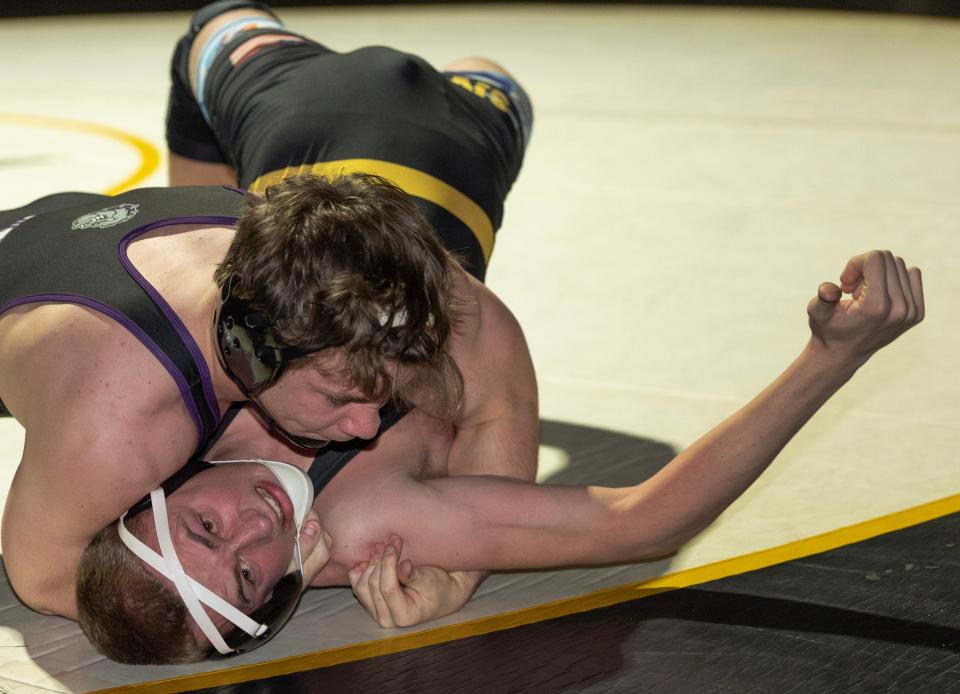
(694, 174)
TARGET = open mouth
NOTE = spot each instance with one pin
(278, 501)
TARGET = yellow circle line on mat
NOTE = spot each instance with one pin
(149, 155)
(605, 597)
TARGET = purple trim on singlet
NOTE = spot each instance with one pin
(162, 304)
(137, 332)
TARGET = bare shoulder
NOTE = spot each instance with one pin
(104, 423)
(73, 370)
(480, 315)
(491, 351)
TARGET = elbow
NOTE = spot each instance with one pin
(652, 545)
(671, 543)
(31, 597)
(656, 529)
(668, 547)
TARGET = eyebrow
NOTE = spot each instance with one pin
(346, 399)
(200, 539)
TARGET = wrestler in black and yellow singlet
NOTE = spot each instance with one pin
(275, 104)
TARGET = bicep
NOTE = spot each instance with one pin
(486, 523)
(498, 432)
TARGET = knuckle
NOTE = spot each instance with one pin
(878, 310)
(898, 313)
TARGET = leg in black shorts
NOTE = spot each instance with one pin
(271, 104)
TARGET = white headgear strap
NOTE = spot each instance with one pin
(192, 592)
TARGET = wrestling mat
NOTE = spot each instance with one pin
(693, 176)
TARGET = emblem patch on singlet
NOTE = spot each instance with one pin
(107, 217)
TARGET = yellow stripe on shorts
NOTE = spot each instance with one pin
(412, 181)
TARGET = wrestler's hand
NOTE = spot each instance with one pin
(315, 546)
(397, 594)
(886, 300)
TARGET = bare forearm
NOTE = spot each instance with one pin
(524, 526)
(690, 492)
(539, 526)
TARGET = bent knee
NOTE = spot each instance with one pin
(211, 26)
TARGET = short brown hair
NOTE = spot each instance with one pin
(129, 614)
(351, 263)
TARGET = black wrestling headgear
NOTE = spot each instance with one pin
(252, 355)
(248, 349)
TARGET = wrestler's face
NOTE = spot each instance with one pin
(233, 529)
(310, 399)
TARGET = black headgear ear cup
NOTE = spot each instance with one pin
(268, 357)
(246, 345)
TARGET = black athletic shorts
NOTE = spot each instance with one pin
(283, 104)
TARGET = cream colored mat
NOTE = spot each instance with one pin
(693, 176)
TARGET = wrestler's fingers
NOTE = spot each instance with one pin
(356, 572)
(405, 571)
(360, 588)
(896, 311)
(359, 582)
(370, 581)
(821, 307)
(873, 295)
(390, 588)
(829, 292)
(851, 278)
(906, 289)
(315, 544)
(916, 288)
(384, 617)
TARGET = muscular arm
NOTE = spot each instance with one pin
(498, 524)
(498, 431)
(478, 522)
(97, 439)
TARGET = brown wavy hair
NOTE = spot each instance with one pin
(351, 263)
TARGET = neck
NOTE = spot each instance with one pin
(248, 437)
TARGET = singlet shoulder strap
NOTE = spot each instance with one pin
(77, 254)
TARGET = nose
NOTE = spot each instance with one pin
(254, 527)
(361, 420)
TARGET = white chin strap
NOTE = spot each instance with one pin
(193, 593)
